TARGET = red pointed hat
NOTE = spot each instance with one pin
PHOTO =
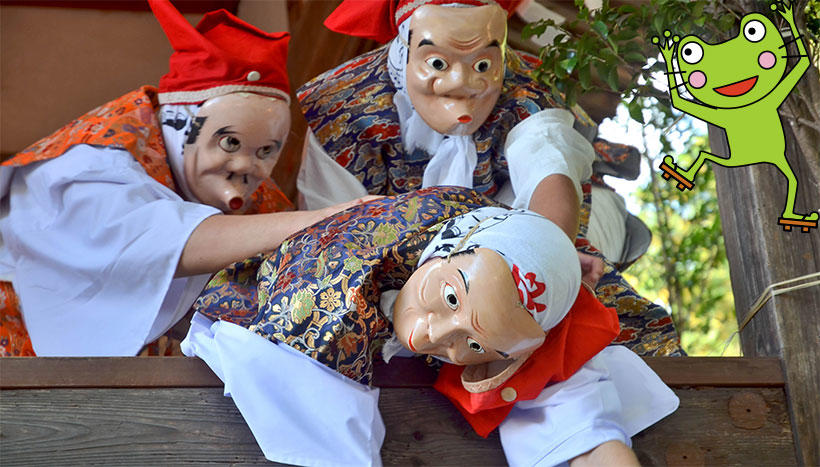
(223, 54)
(379, 19)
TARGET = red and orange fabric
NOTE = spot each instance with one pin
(586, 330)
(129, 123)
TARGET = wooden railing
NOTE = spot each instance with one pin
(170, 410)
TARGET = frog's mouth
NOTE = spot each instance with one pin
(737, 89)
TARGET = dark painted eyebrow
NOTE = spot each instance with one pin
(503, 354)
(225, 130)
(425, 42)
(494, 44)
(466, 281)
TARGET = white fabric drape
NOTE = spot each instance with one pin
(299, 411)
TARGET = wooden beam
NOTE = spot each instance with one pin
(760, 253)
(175, 426)
(169, 372)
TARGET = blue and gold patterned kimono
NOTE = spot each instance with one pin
(320, 291)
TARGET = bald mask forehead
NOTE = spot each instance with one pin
(460, 27)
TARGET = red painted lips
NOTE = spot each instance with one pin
(235, 203)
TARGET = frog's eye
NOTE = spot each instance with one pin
(474, 346)
(450, 296)
(229, 143)
(482, 65)
(438, 63)
(692, 53)
(754, 31)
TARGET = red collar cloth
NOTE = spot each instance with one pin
(586, 330)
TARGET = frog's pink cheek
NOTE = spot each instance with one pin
(697, 79)
(766, 60)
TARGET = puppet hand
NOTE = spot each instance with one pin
(592, 268)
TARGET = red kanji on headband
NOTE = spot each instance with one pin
(223, 54)
(379, 19)
(529, 289)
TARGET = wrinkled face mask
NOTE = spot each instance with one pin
(465, 309)
(234, 142)
(455, 67)
(490, 284)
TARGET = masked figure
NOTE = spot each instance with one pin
(445, 102)
(109, 224)
(441, 271)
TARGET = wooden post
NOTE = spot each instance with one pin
(760, 253)
(314, 49)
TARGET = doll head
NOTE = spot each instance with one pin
(224, 105)
(234, 142)
(455, 65)
(447, 54)
(489, 287)
(465, 309)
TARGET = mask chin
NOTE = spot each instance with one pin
(488, 376)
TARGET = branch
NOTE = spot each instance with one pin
(802, 121)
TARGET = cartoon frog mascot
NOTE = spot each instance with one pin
(738, 85)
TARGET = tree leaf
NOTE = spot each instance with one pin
(569, 63)
(657, 23)
(726, 22)
(612, 78)
(635, 57)
(585, 77)
(601, 28)
(635, 111)
(533, 29)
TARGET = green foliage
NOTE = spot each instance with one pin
(592, 48)
(812, 13)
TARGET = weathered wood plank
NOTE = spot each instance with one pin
(19, 373)
(760, 253)
(184, 426)
(704, 432)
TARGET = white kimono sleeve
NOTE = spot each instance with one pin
(612, 397)
(545, 144)
(322, 182)
(92, 243)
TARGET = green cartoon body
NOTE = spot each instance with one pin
(739, 83)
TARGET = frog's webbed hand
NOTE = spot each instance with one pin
(786, 10)
(667, 46)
